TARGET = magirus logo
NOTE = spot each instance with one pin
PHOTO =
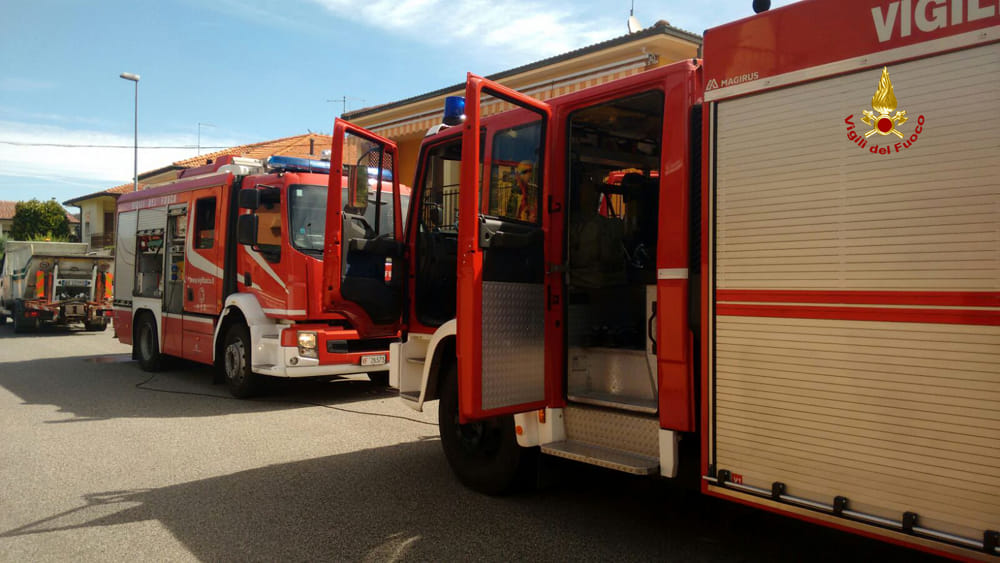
(883, 120)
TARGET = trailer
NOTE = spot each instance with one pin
(775, 270)
(55, 283)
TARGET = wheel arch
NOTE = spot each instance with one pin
(239, 308)
(441, 353)
(137, 316)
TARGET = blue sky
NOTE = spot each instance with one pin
(255, 70)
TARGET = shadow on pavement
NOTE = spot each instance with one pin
(49, 331)
(401, 502)
(113, 386)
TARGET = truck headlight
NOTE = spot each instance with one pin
(307, 345)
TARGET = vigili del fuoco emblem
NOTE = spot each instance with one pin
(884, 103)
(884, 120)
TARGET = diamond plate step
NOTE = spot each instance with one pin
(618, 460)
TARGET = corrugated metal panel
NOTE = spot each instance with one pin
(152, 219)
(513, 343)
(125, 255)
(800, 206)
(895, 416)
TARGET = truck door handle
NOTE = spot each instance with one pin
(190, 294)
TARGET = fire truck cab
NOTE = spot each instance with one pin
(225, 266)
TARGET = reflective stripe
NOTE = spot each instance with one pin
(40, 285)
(672, 274)
(286, 312)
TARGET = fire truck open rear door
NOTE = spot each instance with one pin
(501, 265)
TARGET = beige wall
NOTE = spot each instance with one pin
(407, 124)
(92, 213)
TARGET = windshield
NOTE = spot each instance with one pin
(307, 214)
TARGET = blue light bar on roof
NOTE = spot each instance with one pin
(386, 173)
(454, 110)
(293, 164)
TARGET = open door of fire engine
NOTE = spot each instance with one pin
(501, 263)
(363, 272)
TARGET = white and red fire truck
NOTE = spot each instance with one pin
(225, 266)
(780, 267)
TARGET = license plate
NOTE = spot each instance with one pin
(374, 360)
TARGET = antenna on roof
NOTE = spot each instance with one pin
(343, 100)
(633, 22)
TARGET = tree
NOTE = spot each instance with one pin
(35, 220)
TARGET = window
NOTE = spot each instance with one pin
(269, 224)
(439, 209)
(204, 223)
(515, 188)
(307, 214)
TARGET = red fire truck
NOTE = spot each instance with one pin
(225, 266)
(778, 267)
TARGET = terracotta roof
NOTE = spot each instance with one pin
(298, 145)
(7, 209)
(115, 191)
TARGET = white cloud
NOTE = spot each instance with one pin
(30, 150)
(519, 26)
(18, 84)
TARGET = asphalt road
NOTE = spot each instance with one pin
(100, 461)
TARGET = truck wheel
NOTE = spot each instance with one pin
(484, 455)
(21, 323)
(147, 344)
(380, 378)
(96, 326)
(240, 379)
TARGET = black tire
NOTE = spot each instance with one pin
(484, 455)
(379, 378)
(21, 323)
(96, 326)
(147, 343)
(242, 382)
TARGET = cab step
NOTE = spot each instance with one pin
(619, 460)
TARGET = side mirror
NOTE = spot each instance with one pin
(249, 198)
(246, 227)
(359, 188)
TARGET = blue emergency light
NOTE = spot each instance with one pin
(454, 110)
(386, 173)
(294, 164)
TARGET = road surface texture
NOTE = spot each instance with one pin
(100, 461)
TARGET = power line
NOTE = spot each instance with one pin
(75, 146)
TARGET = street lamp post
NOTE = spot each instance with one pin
(135, 162)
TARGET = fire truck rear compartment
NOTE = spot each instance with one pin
(888, 418)
(613, 196)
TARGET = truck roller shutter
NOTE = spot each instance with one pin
(125, 256)
(856, 346)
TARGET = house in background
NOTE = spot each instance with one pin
(6, 216)
(97, 210)
(9, 208)
(407, 121)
